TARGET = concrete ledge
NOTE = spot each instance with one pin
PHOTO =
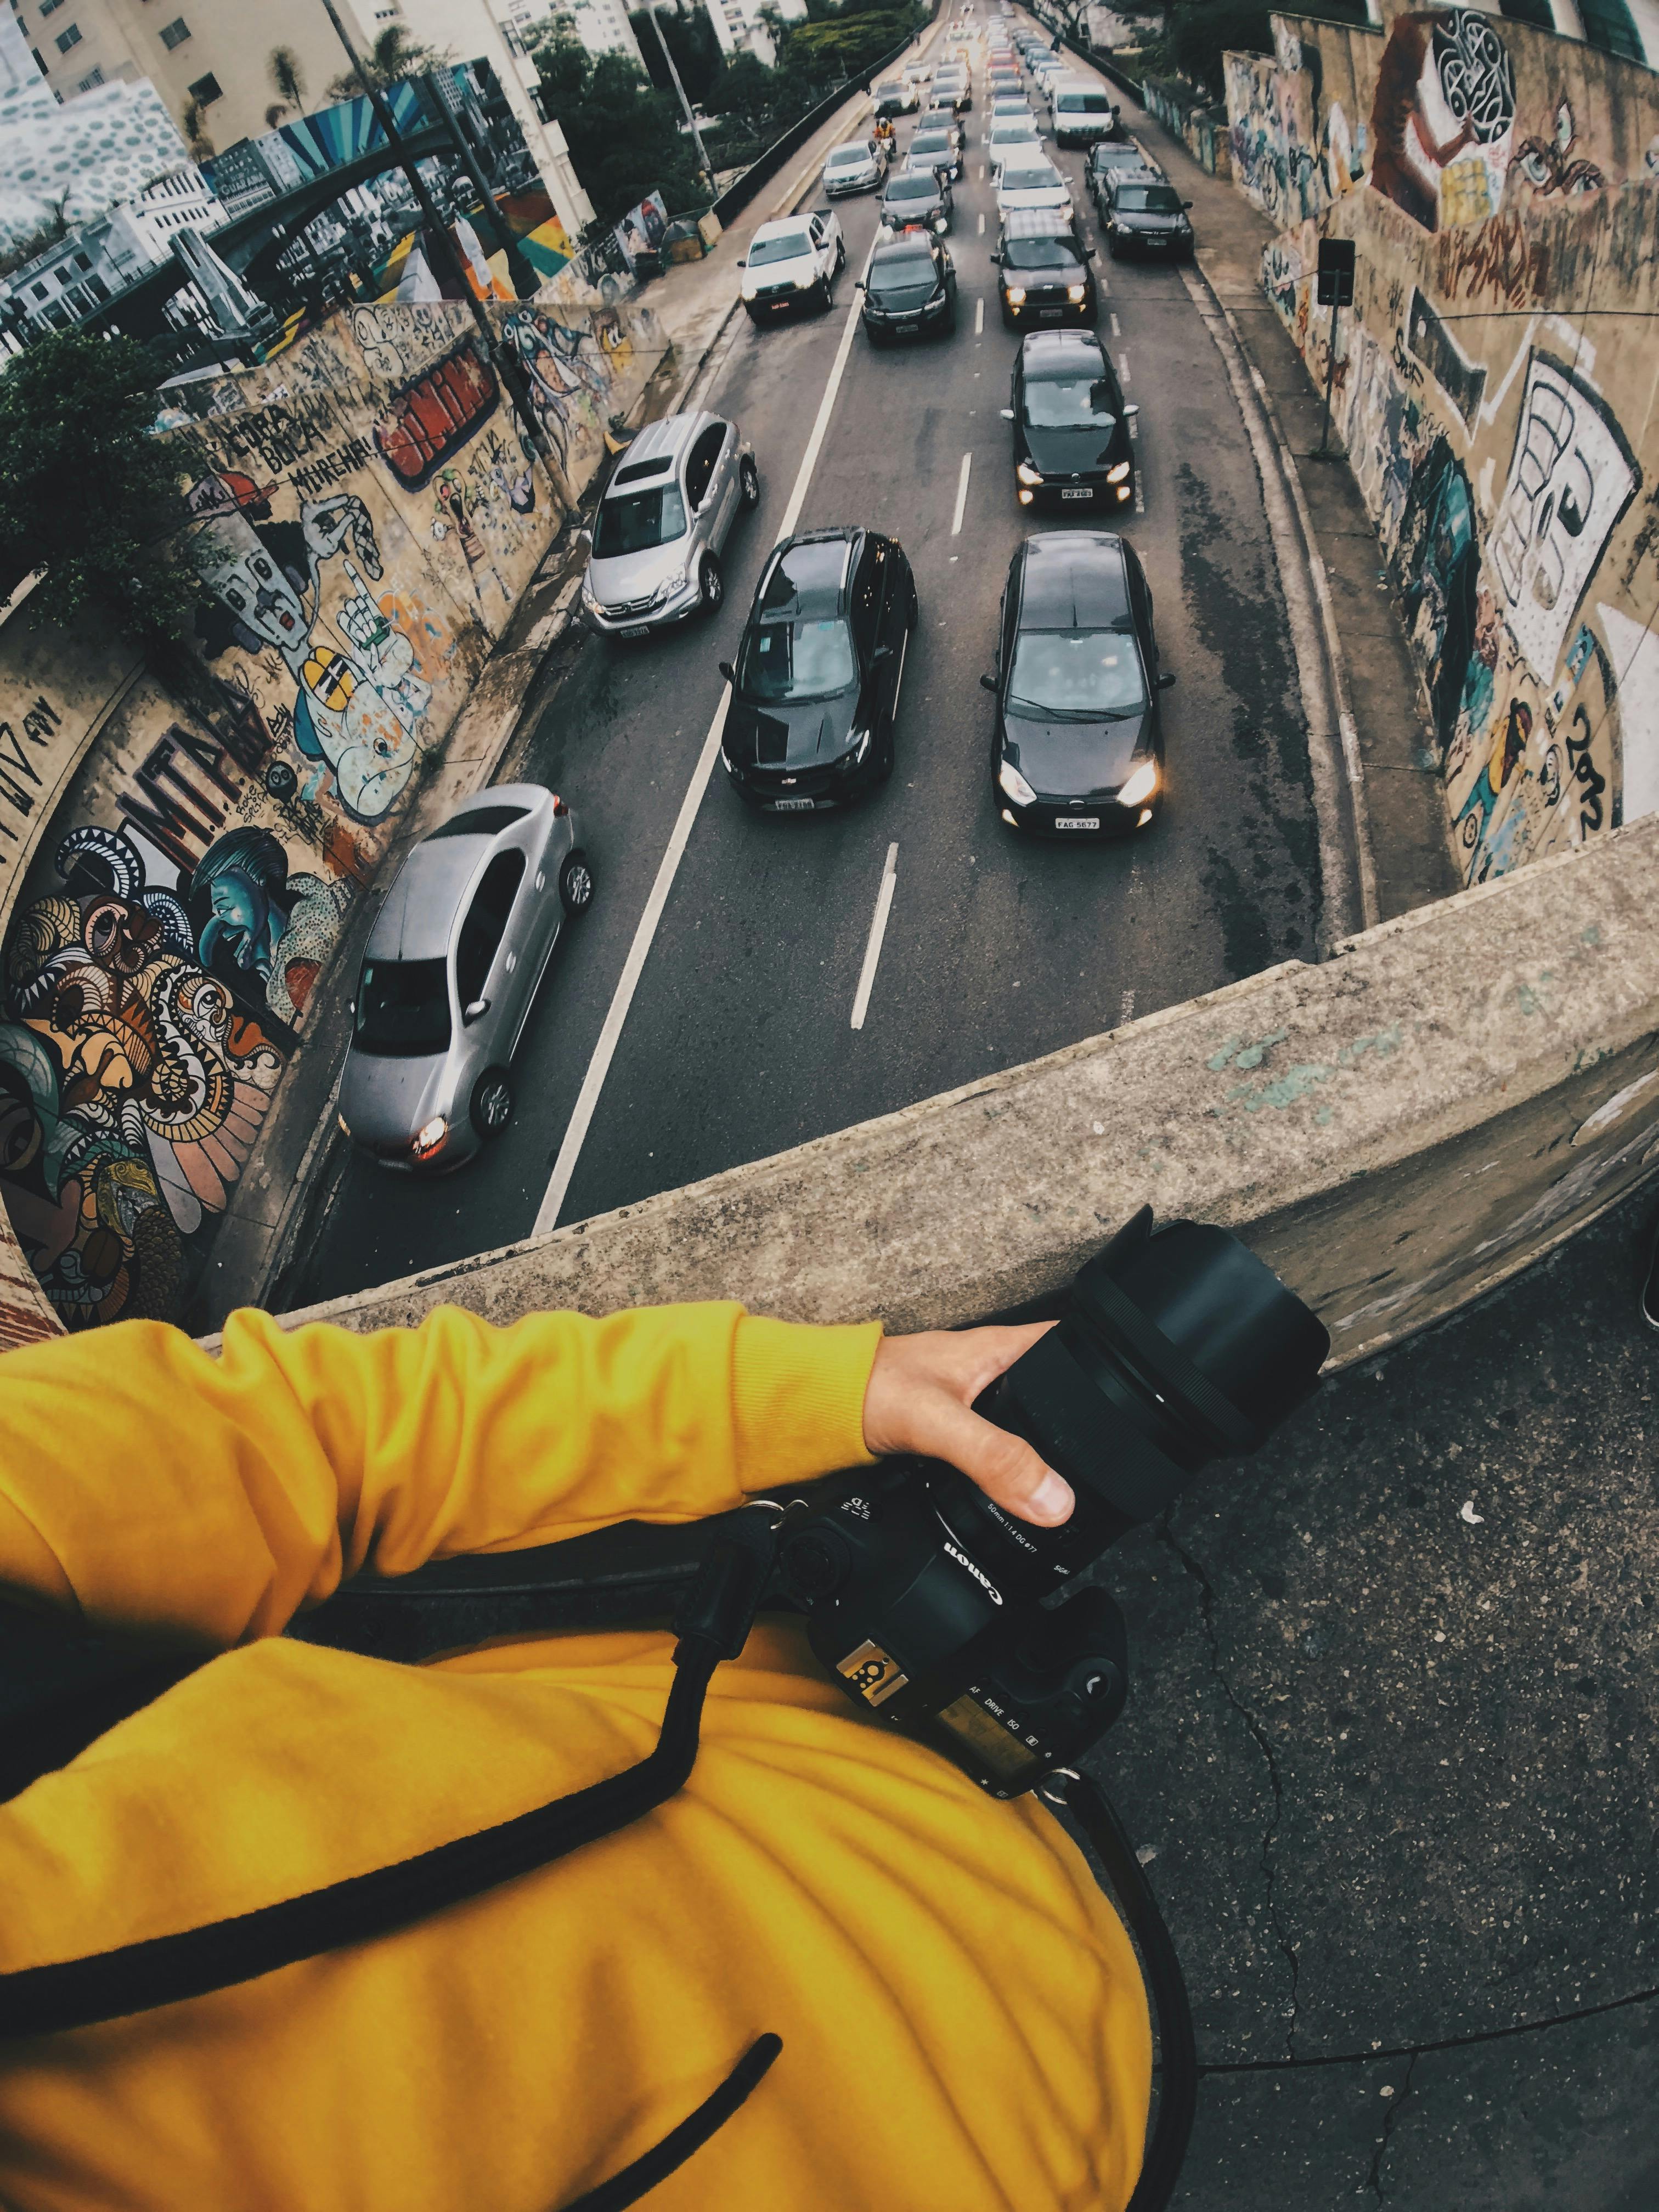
(1397, 1131)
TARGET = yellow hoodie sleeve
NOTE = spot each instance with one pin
(150, 1486)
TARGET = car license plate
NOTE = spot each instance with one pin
(1085, 493)
(792, 805)
(1077, 821)
(636, 629)
(1052, 314)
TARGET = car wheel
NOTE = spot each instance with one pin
(824, 296)
(576, 882)
(711, 584)
(749, 485)
(884, 766)
(915, 615)
(841, 255)
(491, 1109)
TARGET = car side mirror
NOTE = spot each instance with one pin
(478, 1006)
(1185, 203)
(743, 261)
(727, 671)
(1166, 682)
(1130, 410)
(996, 261)
(987, 683)
(1007, 414)
(859, 284)
(351, 1006)
(881, 652)
(1089, 252)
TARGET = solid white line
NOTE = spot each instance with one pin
(961, 494)
(877, 931)
(581, 1119)
(979, 315)
(982, 226)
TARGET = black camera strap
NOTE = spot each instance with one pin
(712, 1624)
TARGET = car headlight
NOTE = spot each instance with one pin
(1015, 785)
(856, 751)
(805, 284)
(590, 597)
(1027, 474)
(1118, 474)
(938, 224)
(1074, 293)
(429, 1138)
(1016, 296)
(674, 581)
(1140, 787)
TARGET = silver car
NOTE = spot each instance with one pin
(450, 973)
(666, 513)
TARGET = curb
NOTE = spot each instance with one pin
(1336, 662)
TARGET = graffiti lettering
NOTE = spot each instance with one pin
(327, 469)
(1590, 781)
(1496, 259)
(1403, 362)
(426, 421)
(1463, 381)
(39, 724)
(158, 816)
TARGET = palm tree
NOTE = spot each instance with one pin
(393, 56)
(202, 147)
(288, 78)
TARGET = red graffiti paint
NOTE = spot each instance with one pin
(428, 419)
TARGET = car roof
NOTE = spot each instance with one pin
(779, 225)
(806, 579)
(664, 440)
(1075, 579)
(1060, 353)
(1038, 222)
(906, 243)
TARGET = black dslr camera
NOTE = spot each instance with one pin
(925, 1601)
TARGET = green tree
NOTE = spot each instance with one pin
(692, 43)
(393, 56)
(287, 78)
(624, 136)
(89, 496)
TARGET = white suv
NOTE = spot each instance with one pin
(792, 262)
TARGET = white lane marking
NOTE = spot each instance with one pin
(961, 494)
(1123, 368)
(1116, 332)
(877, 931)
(982, 226)
(979, 316)
(1140, 504)
(1127, 1011)
(587, 1099)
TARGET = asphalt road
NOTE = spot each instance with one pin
(737, 1041)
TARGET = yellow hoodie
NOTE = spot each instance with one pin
(961, 2017)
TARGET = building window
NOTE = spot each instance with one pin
(84, 264)
(38, 291)
(86, 83)
(205, 90)
(48, 6)
(69, 38)
(175, 32)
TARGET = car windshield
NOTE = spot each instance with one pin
(790, 246)
(1069, 403)
(1148, 199)
(912, 188)
(1085, 103)
(1015, 130)
(402, 1009)
(930, 142)
(785, 661)
(1081, 672)
(1039, 253)
(1015, 179)
(636, 524)
(848, 157)
(898, 271)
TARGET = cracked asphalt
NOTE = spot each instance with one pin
(1391, 1743)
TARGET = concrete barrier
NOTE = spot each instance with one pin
(1396, 1131)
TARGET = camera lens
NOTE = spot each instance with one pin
(1178, 1347)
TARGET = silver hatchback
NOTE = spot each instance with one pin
(450, 973)
(665, 517)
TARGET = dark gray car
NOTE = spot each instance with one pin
(450, 974)
(917, 198)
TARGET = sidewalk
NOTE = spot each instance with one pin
(269, 1214)
(1400, 800)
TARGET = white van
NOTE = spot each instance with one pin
(1081, 113)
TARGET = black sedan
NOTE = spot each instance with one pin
(909, 290)
(1077, 749)
(1070, 425)
(1142, 215)
(1045, 273)
(917, 198)
(815, 690)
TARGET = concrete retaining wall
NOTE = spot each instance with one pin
(1205, 134)
(1396, 1131)
(1494, 384)
(175, 862)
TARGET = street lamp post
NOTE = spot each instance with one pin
(703, 162)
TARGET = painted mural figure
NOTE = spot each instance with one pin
(266, 932)
(1473, 827)
(359, 711)
(1443, 117)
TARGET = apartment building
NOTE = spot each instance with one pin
(738, 29)
(601, 25)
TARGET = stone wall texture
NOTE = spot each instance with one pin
(176, 859)
(1494, 384)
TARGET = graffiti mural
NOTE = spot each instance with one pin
(1496, 391)
(1444, 119)
(428, 419)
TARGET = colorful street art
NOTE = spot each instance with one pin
(1494, 388)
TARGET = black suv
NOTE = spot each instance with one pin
(1045, 276)
(815, 690)
(1071, 446)
(1144, 215)
(1118, 159)
(910, 290)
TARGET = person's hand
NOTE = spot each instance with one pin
(919, 1399)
